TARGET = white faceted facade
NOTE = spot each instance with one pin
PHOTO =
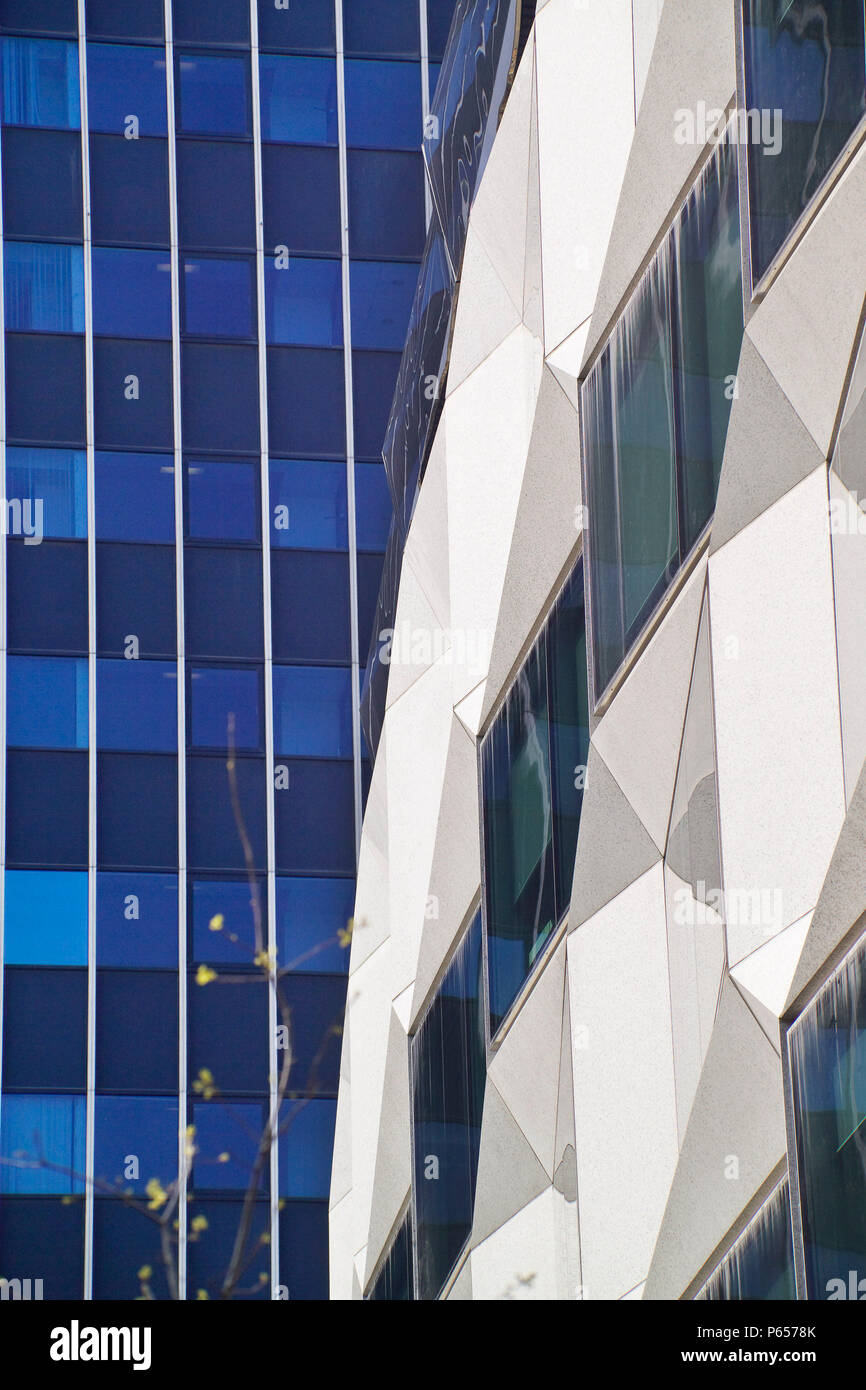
(638, 1104)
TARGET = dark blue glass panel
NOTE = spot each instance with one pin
(316, 819)
(310, 607)
(210, 1254)
(44, 287)
(439, 16)
(220, 387)
(226, 223)
(382, 293)
(136, 1030)
(46, 702)
(317, 1004)
(383, 105)
(395, 1282)
(310, 914)
(218, 298)
(308, 505)
(228, 904)
(213, 839)
(306, 1147)
(304, 302)
(124, 1242)
(135, 598)
(386, 203)
(220, 694)
(375, 376)
(309, 27)
(51, 487)
(40, 83)
(761, 1264)
(140, 1128)
(227, 22)
(37, 416)
(388, 28)
(304, 1251)
(132, 389)
(213, 95)
(39, 1130)
(299, 100)
(40, 16)
(306, 402)
(227, 1136)
(222, 500)
(137, 797)
(136, 706)
(42, 184)
(129, 191)
(47, 597)
(569, 729)
(126, 90)
(131, 293)
(136, 920)
(373, 509)
(43, 1234)
(36, 1057)
(228, 1034)
(313, 711)
(45, 918)
(134, 497)
(223, 603)
(370, 568)
(46, 809)
(108, 20)
(301, 199)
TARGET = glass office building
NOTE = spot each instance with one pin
(213, 217)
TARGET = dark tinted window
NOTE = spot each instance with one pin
(43, 1233)
(301, 198)
(310, 607)
(132, 390)
(136, 1035)
(213, 841)
(213, 95)
(226, 22)
(42, 183)
(316, 818)
(46, 809)
(386, 203)
(129, 191)
(36, 1057)
(44, 390)
(220, 397)
(134, 497)
(375, 376)
(224, 223)
(386, 27)
(136, 706)
(131, 293)
(223, 602)
(306, 402)
(135, 599)
(47, 597)
(309, 26)
(228, 1033)
(108, 20)
(137, 824)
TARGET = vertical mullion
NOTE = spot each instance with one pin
(425, 98)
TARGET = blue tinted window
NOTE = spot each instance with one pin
(136, 1030)
(222, 500)
(54, 484)
(308, 27)
(382, 294)
(108, 20)
(136, 706)
(299, 100)
(226, 22)
(40, 83)
(123, 1243)
(373, 509)
(210, 1255)
(386, 203)
(301, 199)
(136, 919)
(308, 505)
(313, 711)
(34, 416)
(381, 26)
(42, 1129)
(137, 799)
(223, 603)
(42, 17)
(126, 90)
(132, 394)
(47, 1233)
(228, 1033)
(37, 1058)
(304, 1250)
(310, 914)
(306, 402)
(220, 389)
(131, 293)
(218, 298)
(213, 841)
(218, 695)
(306, 1147)
(315, 817)
(44, 287)
(310, 607)
(47, 597)
(42, 183)
(213, 95)
(141, 1127)
(45, 918)
(439, 16)
(46, 702)
(135, 598)
(383, 105)
(370, 569)
(46, 809)
(134, 497)
(317, 1004)
(304, 302)
(227, 903)
(129, 191)
(226, 223)
(375, 376)
(227, 1138)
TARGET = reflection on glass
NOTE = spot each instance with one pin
(141, 1126)
(42, 1139)
(311, 914)
(313, 711)
(45, 917)
(760, 1266)
(44, 287)
(306, 1147)
(395, 1280)
(126, 90)
(308, 505)
(221, 694)
(52, 483)
(46, 702)
(40, 83)
(304, 301)
(213, 95)
(299, 99)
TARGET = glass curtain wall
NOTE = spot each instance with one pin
(760, 1265)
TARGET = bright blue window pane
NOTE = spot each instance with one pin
(222, 500)
(310, 913)
(136, 920)
(214, 95)
(46, 702)
(46, 918)
(218, 298)
(219, 693)
(50, 1128)
(54, 484)
(306, 1147)
(141, 1126)
(126, 90)
(44, 287)
(382, 294)
(131, 293)
(221, 1128)
(373, 508)
(230, 899)
(305, 302)
(134, 497)
(313, 711)
(136, 706)
(299, 99)
(308, 505)
(383, 105)
(40, 83)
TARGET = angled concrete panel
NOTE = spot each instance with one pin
(848, 532)
(613, 847)
(510, 1174)
(393, 1172)
(764, 978)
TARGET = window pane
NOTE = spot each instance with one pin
(136, 706)
(136, 610)
(210, 1257)
(46, 702)
(311, 912)
(370, 570)
(316, 819)
(45, 918)
(301, 199)
(223, 603)
(131, 293)
(226, 223)
(313, 711)
(299, 99)
(132, 394)
(42, 184)
(129, 191)
(126, 90)
(37, 1130)
(36, 1058)
(569, 729)
(136, 1030)
(395, 1282)
(304, 302)
(136, 919)
(47, 597)
(761, 1264)
(317, 1004)
(227, 1136)
(44, 287)
(304, 1250)
(375, 376)
(227, 22)
(228, 904)
(40, 83)
(307, 402)
(381, 26)
(137, 798)
(439, 16)
(51, 486)
(213, 95)
(218, 695)
(218, 298)
(220, 388)
(134, 497)
(608, 613)
(46, 809)
(310, 607)
(143, 1128)
(213, 841)
(122, 1244)
(42, 17)
(306, 1147)
(383, 105)
(108, 20)
(373, 509)
(308, 27)
(34, 416)
(47, 1233)
(382, 294)
(222, 500)
(308, 505)
(386, 203)
(228, 1034)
